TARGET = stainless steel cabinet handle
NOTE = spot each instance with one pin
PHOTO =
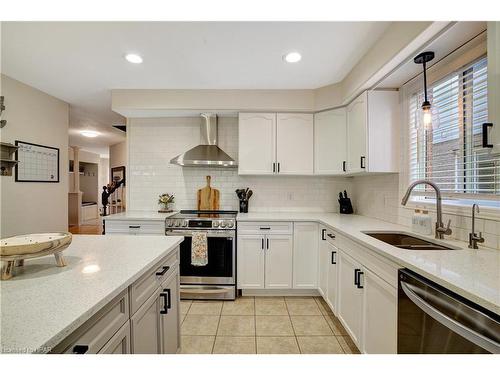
(457, 327)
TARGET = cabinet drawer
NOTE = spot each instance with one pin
(143, 288)
(92, 336)
(383, 268)
(265, 227)
(135, 227)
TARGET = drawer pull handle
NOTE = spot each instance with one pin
(356, 279)
(163, 272)
(265, 228)
(134, 227)
(323, 231)
(360, 273)
(169, 298)
(333, 257)
(80, 349)
(332, 236)
(165, 303)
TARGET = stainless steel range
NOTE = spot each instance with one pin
(216, 280)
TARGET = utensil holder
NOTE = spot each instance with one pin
(244, 206)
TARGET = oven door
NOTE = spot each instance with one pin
(221, 265)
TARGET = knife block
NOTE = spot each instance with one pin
(345, 206)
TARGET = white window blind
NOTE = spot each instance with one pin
(451, 153)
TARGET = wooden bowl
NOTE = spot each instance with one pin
(30, 245)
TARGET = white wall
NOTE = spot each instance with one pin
(153, 142)
(33, 116)
(118, 155)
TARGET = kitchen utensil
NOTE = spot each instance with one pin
(208, 197)
(345, 194)
(249, 194)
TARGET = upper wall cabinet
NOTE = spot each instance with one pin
(330, 146)
(272, 143)
(372, 132)
(294, 143)
(257, 143)
(494, 83)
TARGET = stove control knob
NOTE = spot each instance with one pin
(185, 223)
(215, 223)
(170, 223)
(177, 223)
(230, 224)
(223, 224)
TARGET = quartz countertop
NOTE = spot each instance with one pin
(474, 274)
(140, 215)
(42, 304)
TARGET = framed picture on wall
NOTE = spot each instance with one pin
(37, 163)
(118, 174)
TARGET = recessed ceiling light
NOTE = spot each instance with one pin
(89, 133)
(292, 57)
(133, 58)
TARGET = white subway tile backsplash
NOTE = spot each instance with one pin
(153, 142)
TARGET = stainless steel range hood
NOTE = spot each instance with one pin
(207, 154)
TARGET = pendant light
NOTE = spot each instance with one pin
(426, 108)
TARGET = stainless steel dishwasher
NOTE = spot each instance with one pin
(434, 320)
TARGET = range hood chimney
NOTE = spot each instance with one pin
(207, 153)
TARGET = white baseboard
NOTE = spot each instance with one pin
(280, 292)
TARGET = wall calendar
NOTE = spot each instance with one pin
(37, 163)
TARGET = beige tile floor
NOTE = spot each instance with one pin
(263, 325)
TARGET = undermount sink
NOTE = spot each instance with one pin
(406, 241)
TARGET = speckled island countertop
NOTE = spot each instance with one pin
(473, 274)
(139, 216)
(42, 304)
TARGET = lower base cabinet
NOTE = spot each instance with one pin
(171, 315)
(380, 315)
(146, 326)
(332, 254)
(119, 343)
(350, 307)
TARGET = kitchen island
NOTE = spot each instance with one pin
(48, 309)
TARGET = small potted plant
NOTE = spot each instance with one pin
(166, 202)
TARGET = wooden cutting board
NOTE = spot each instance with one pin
(208, 197)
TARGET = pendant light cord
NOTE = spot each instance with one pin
(425, 81)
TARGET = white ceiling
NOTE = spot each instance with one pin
(80, 62)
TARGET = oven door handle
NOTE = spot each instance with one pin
(452, 324)
(226, 234)
(204, 291)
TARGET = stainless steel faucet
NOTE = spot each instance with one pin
(441, 230)
(473, 238)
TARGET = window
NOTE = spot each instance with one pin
(451, 153)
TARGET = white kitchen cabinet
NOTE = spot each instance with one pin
(257, 143)
(372, 132)
(170, 315)
(379, 315)
(251, 258)
(333, 277)
(305, 255)
(294, 143)
(330, 146)
(146, 328)
(493, 49)
(278, 263)
(323, 263)
(350, 299)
